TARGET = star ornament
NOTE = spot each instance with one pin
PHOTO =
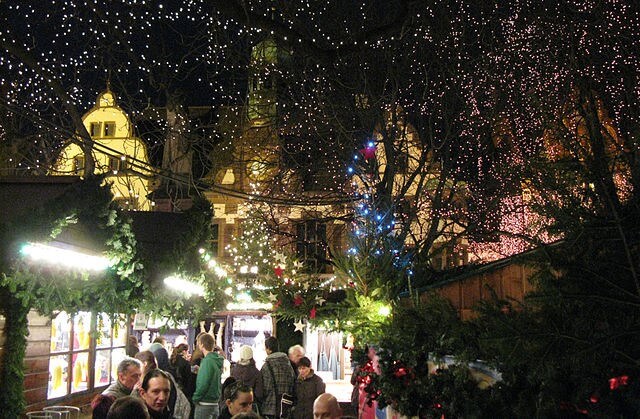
(320, 301)
(272, 297)
(299, 326)
(369, 152)
(281, 258)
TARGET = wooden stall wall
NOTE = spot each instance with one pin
(36, 361)
(36, 366)
(508, 282)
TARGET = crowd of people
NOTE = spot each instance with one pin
(151, 384)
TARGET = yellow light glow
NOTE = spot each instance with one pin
(253, 305)
(184, 286)
(384, 310)
(70, 258)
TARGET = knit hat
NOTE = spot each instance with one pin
(246, 353)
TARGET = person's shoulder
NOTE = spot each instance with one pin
(249, 368)
(224, 413)
(280, 357)
(215, 359)
(211, 357)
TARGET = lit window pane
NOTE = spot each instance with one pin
(82, 329)
(102, 368)
(80, 372)
(58, 370)
(103, 335)
(117, 355)
(60, 332)
(120, 331)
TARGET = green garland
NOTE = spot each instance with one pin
(15, 309)
(23, 287)
(188, 261)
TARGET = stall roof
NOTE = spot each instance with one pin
(18, 195)
(155, 232)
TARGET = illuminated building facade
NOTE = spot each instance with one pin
(116, 151)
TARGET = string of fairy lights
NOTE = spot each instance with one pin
(481, 84)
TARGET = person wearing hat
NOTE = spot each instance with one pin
(245, 370)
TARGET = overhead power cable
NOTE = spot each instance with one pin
(199, 186)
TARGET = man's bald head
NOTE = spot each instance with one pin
(326, 407)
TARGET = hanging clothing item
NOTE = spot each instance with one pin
(334, 365)
(323, 362)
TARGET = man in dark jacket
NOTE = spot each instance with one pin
(161, 354)
(129, 373)
(277, 378)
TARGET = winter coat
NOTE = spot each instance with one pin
(208, 382)
(183, 373)
(307, 390)
(284, 380)
(248, 374)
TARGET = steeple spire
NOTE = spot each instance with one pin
(109, 81)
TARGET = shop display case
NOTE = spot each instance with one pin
(85, 351)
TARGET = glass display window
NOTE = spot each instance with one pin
(79, 377)
(251, 330)
(85, 351)
(58, 372)
(102, 369)
(60, 333)
(81, 331)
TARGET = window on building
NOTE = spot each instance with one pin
(95, 129)
(229, 234)
(268, 82)
(114, 164)
(127, 203)
(311, 246)
(78, 165)
(109, 129)
(85, 351)
(215, 239)
(402, 161)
